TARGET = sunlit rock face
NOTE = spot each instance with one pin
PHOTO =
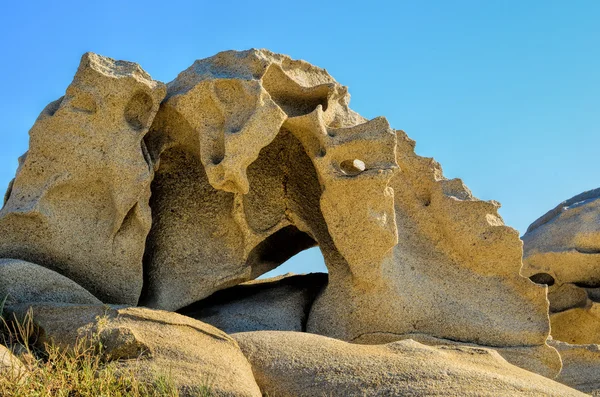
(79, 202)
(251, 158)
(562, 251)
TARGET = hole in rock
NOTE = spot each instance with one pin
(542, 278)
(352, 167)
(294, 99)
(280, 303)
(308, 261)
(138, 110)
(267, 258)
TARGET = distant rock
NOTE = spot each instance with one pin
(290, 364)
(565, 242)
(279, 303)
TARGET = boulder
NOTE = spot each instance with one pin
(79, 202)
(581, 366)
(23, 282)
(153, 343)
(564, 243)
(279, 303)
(301, 364)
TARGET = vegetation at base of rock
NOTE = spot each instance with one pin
(77, 372)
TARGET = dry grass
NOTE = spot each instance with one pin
(77, 372)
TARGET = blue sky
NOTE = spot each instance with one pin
(504, 94)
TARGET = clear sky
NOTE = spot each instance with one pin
(504, 94)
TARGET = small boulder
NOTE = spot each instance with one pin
(10, 366)
(581, 366)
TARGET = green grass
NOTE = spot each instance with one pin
(79, 371)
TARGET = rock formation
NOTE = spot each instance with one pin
(562, 251)
(291, 364)
(79, 202)
(279, 303)
(134, 194)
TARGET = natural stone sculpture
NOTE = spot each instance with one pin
(79, 202)
(301, 364)
(253, 158)
(565, 242)
(562, 250)
(23, 282)
(152, 343)
(279, 303)
(233, 199)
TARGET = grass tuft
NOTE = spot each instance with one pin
(79, 371)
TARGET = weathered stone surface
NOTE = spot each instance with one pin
(565, 242)
(407, 250)
(562, 250)
(452, 252)
(280, 303)
(580, 326)
(79, 202)
(223, 157)
(581, 366)
(24, 282)
(154, 343)
(535, 359)
(301, 364)
(10, 366)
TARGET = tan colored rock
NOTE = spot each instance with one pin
(154, 343)
(79, 202)
(535, 358)
(301, 364)
(578, 326)
(23, 282)
(222, 159)
(562, 250)
(565, 242)
(581, 366)
(10, 366)
(279, 303)
(454, 274)
(407, 250)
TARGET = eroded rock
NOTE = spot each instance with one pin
(79, 202)
(581, 366)
(23, 282)
(565, 242)
(280, 303)
(407, 250)
(301, 364)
